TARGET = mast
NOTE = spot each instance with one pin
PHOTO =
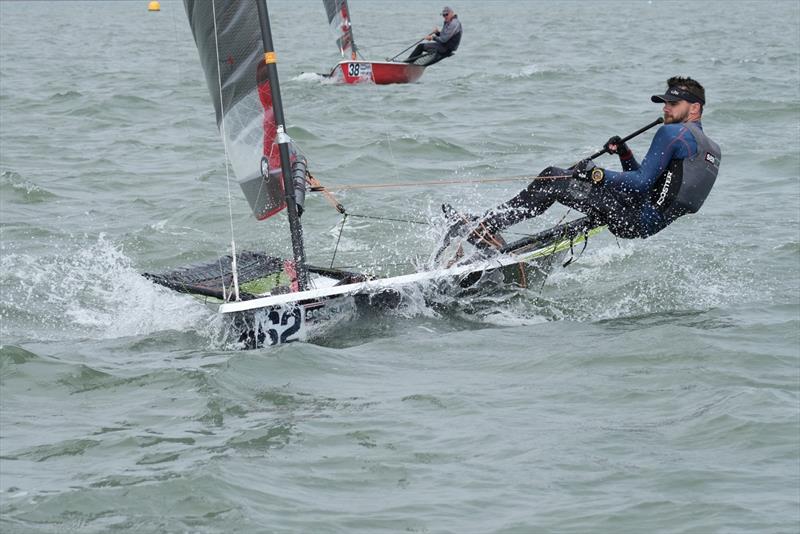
(346, 12)
(283, 140)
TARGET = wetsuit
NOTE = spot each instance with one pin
(443, 44)
(673, 179)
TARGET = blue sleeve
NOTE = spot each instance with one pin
(672, 141)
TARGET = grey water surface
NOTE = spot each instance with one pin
(650, 386)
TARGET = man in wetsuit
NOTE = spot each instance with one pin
(673, 179)
(442, 43)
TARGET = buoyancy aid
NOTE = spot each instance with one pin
(685, 183)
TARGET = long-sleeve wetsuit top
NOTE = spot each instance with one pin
(634, 184)
(448, 31)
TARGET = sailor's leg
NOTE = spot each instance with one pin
(534, 199)
(415, 55)
(530, 202)
(436, 54)
(604, 207)
(622, 219)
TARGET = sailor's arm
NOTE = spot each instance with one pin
(663, 149)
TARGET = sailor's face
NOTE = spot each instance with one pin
(675, 112)
(682, 111)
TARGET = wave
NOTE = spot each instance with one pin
(14, 187)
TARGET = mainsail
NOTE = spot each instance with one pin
(226, 33)
(339, 20)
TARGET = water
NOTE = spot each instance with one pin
(652, 386)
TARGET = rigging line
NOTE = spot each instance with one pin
(316, 184)
(384, 112)
(405, 49)
(438, 182)
(227, 158)
(338, 238)
(187, 131)
(375, 217)
(358, 53)
(317, 187)
(428, 223)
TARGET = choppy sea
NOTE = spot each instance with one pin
(650, 386)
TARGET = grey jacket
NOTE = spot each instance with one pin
(447, 35)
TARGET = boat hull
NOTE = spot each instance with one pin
(305, 320)
(271, 312)
(377, 72)
(261, 323)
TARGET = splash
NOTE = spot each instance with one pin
(311, 77)
(634, 278)
(526, 72)
(93, 291)
(89, 291)
(612, 279)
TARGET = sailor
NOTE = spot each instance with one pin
(442, 43)
(674, 178)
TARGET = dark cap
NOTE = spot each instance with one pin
(674, 94)
(446, 10)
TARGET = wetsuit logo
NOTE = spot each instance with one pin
(710, 158)
(664, 189)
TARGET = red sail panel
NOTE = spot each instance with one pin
(271, 160)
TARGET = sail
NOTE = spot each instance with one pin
(228, 39)
(339, 20)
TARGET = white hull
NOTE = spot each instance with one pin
(396, 282)
(276, 319)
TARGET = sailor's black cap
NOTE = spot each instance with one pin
(674, 94)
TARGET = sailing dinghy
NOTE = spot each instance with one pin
(351, 69)
(271, 300)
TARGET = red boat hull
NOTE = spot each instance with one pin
(378, 72)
